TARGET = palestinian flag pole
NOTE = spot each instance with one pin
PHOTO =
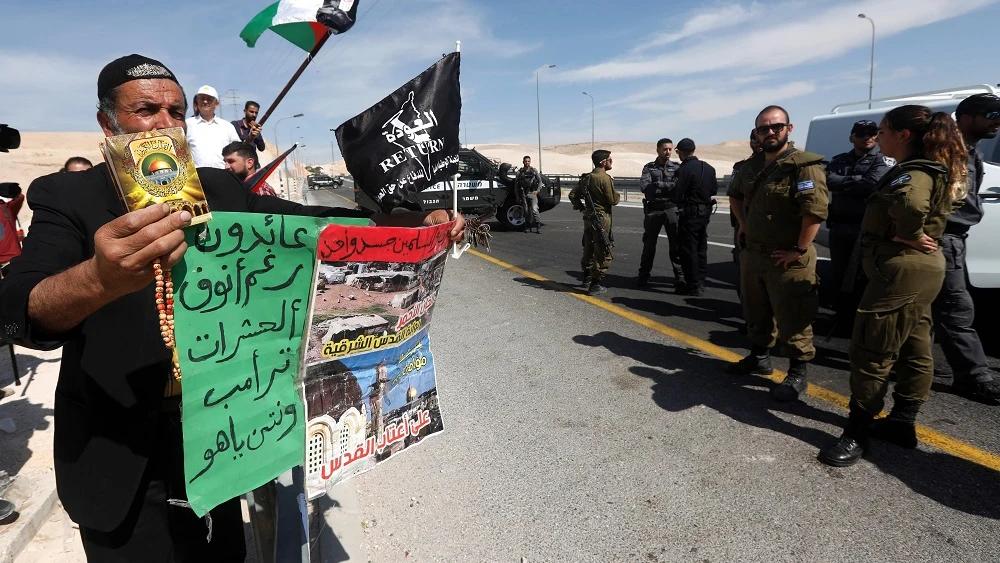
(305, 23)
(455, 251)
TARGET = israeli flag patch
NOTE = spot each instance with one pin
(902, 178)
(804, 185)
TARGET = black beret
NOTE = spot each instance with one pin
(129, 68)
(685, 145)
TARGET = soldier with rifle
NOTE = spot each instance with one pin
(528, 183)
(594, 196)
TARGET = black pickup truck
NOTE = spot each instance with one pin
(482, 186)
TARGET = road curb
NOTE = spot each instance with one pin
(34, 510)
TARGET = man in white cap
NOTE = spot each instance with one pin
(207, 134)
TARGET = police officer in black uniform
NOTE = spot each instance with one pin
(978, 118)
(693, 191)
(850, 177)
(656, 185)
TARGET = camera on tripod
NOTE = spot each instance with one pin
(10, 138)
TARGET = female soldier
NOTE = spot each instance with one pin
(903, 221)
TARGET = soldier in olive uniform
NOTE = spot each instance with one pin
(900, 237)
(785, 204)
(596, 255)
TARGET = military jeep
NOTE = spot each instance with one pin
(482, 186)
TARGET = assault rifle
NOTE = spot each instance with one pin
(594, 218)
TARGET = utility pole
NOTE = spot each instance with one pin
(871, 66)
(538, 109)
(231, 94)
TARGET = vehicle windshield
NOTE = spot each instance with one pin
(991, 153)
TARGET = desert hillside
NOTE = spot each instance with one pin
(44, 153)
(629, 157)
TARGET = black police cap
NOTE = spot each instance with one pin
(863, 126)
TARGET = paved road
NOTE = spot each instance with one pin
(576, 434)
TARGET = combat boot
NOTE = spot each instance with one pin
(596, 288)
(853, 442)
(586, 280)
(900, 426)
(987, 391)
(641, 280)
(793, 385)
(758, 362)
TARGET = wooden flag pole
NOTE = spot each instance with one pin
(302, 68)
(455, 252)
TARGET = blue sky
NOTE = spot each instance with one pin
(677, 69)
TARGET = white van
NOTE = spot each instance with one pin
(828, 136)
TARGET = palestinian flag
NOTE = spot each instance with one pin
(303, 22)
(255, 181)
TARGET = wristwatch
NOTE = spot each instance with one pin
(800, 250)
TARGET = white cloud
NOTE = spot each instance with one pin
(393, 49)
(774, 41)
(718, 18)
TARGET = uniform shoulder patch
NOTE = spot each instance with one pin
(889, 161)
(899, 180)
(804, 186)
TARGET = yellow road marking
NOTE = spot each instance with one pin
(927, 435)
(331, 192)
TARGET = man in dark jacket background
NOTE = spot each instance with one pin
(850, 177)
(694, 189)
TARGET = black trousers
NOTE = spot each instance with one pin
(954, 312)
(157, 532)
(652, 224)
(737, 247)
(692, 233)
(843, 239)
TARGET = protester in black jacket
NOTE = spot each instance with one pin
(84, 281)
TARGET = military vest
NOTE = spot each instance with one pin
(667, 173)
(780, 195)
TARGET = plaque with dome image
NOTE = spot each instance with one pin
(156, 167)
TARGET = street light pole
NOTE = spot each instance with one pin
(871, 66)
(276, 143)
(538, 108)
(591, 121)
(291, 141)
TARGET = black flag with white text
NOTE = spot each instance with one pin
(408, 141)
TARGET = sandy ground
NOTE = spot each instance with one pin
(43, 153)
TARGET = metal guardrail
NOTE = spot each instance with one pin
(627, 185)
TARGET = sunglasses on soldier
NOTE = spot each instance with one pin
(992, 115)
(772, 128)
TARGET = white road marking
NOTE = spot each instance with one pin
(724, 245)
